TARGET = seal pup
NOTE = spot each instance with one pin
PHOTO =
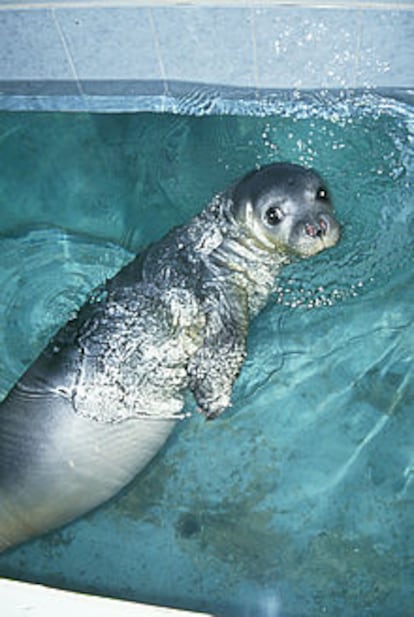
(104, 395)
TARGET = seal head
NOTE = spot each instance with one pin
(285, 208)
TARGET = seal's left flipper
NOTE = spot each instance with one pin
(212, 374)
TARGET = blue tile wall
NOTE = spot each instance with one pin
(31, 47)
(110, 43)
(386, 55)
(206, 44)
(306, 47)
(165, 50)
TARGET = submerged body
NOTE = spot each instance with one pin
(103, 397)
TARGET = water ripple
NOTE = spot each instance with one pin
(45, 276)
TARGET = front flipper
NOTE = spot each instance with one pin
(216, 365)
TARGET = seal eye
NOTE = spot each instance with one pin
(322, 193)
(274, 215)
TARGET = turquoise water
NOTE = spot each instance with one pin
(299, 501)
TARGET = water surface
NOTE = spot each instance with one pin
(299, 501)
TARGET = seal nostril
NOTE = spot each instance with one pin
(323, 225)
(311, 230)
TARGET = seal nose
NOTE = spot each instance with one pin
(317, 229)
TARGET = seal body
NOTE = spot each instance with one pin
(102, 398)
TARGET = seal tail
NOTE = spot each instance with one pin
(56, 465)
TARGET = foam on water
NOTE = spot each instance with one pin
(299, 500)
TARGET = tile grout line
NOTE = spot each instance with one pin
(67, 52)
(157, 44)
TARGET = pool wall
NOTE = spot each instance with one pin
(193, 57)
